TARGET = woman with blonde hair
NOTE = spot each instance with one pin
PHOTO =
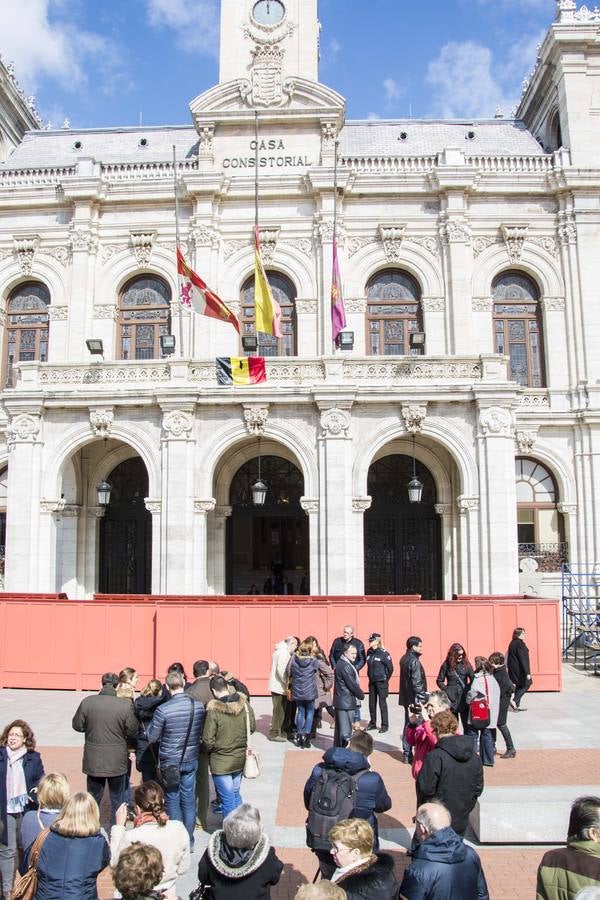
(152, 825)
(53, 791)
(73, 853)
(360, 872)
(128, 676)
(303, 670)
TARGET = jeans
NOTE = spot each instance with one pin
(8, 854)
(117, 788)
(406, 747)
(228, 791)
(305, 712)
(483, 743)
(180, 803)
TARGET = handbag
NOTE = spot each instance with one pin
(202, 892)
(252, 763)
(480, 710)
(25, 886)
(169, 777)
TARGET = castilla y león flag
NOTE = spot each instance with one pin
(196, 295)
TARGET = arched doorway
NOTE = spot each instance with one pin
(126, 533)
(402, 539)
(269, 539)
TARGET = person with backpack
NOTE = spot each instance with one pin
(484, 705)
(343, 786)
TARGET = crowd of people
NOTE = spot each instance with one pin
(183, 734)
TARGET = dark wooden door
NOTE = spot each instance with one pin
(126, 533)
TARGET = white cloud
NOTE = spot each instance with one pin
(195, 22)
(463, 84)
(373, 117)
(393, 91)
(44, 48)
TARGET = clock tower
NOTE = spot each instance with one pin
(269, 42)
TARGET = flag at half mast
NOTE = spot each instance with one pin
(195, 294)
(267, 312)
(338, 310)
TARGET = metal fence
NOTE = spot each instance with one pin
(581, 613)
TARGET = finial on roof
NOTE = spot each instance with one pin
(48, 126)
(565, 10)
(498, 114)
(66, 124)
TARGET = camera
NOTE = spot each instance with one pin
(415, 709)
(130, 812)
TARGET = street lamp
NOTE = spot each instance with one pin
(104, 491)
(414, 486)
(259, 488)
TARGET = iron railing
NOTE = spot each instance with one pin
(549, 557)
(581, 612)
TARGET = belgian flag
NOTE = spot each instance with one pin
(241, 369)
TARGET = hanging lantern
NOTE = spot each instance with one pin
(414, 486)
(259, 488)
(104, 491)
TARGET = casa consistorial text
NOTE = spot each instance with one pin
(272, 153)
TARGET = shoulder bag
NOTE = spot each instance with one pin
(25, 887)
(252, 763)
(169, 777)
(480, 709)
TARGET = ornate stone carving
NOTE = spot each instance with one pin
(514, 239)
(328, 138)
(467, 504)
(71, 511)
(335, 423)
(141, 244)
(546, 243)
(391, 238)
(202, 507)
(361, 504)
(83, 240)
(256, 418)
(203, 235)
(153, 506)
(357, 243)
(356, 305)
(25, 248)
(266, 86)
(268, 243)
(454, 231)
(428, 243)
(566, 11)
(433, 304)
(58, 313)
(525, 440)
(414, 415)
(52, 506)
(310, 505)
(60, 254)
(482, 304)
(324, 230)
(443, 509)
(207, 137)
(495, 421)
(101, 421)
(231, 247)
(567, 230)
(106, 311)
(95, 512)
(107, 251)
(5, 253)
(304, 245)
(553, 304)
(307, 307)
(23, 429)
(481, 243)
(177, 424)
(567, 509)
(223, 512)
(534, 400)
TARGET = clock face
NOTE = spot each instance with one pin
(268, 12)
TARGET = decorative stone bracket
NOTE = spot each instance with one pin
(310, 505)
(361, 504)
(525, 439)
(391, 237)
(141, 243)
(414, 415)
(101, 422)
(495, 421)
(153, 506)
(256, 418)
(177, 425)
(268, 243)
(23, 429)
(467, 504)
(335, 423)
(514, 239)
(203, 507)
(25, 248)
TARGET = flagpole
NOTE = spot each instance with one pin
(177, 242)
(256, 169)
(335, 193)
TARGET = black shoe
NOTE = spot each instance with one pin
(292, 737)
(299, 742)
(371, 727)
(331, 711)
(407, 759)
(510, 754)
(383, 729)
(306, 742)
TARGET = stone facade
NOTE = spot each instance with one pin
(452, 206)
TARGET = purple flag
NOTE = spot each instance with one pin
(338, 311)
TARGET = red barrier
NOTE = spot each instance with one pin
(62, 644)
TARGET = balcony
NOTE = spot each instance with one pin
(549, 557)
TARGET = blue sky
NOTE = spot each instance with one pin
(106, 62)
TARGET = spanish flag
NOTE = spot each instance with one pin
(196, 295)
(241, 369)
(267, 312)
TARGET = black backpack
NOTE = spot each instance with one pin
(332, 799)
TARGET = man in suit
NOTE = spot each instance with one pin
(346, 694)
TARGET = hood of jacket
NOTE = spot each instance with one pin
(304, 661)
(346, 760)
(458, 746)
(280, 645)
(443, 847)
(232, 705)
(592, 848)
(234, 862)
(145, 706)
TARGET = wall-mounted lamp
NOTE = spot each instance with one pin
(95, 346)
(346, 340)
(417, 340)
(167, 344)
(104, 491)
(250, 343)
(414, 486)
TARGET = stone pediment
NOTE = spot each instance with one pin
(293, 99)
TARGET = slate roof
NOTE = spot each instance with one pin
(492, 137)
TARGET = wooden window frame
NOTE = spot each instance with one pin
(412, 319)
(41, 329)
(287, 345)
(514, 311)
(160, 324)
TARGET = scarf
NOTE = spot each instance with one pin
(16, 786)
(148, 818)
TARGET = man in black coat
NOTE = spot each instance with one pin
(443, 867)
(108, 723)
(346, 692)
(341, 644)
(452, 772)
(519, 667)
(413, 685)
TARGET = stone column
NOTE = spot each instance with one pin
(88, 560)
(154, 507)
(84, 246)
(498, 496)
(50, 543)
(356, 558)
(177, 479)
(324, 244)
(310, 505)
(67, 550)
(335, 476)
(450, 562)
(469, 563)
(217, 551)
(200, 576)
(456, 242)
(25, 446)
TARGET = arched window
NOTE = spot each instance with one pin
(285, 294)
(26, 327)
(393, 314)
(144, 315)
(539, 524)
(518, 327)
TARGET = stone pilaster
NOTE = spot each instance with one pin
(336, 528)
(25, 569)
(177, 477)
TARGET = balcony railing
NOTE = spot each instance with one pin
(549, 557)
